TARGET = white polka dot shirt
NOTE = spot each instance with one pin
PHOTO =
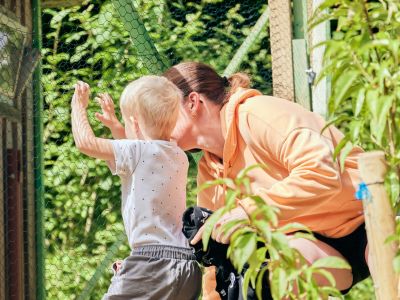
(153, 182)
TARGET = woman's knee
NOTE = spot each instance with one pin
(314, 250)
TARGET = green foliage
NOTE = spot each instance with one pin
(362, 61)
(258, 239)
(82, 199)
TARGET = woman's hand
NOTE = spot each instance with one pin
(108, 116)
(218, 234)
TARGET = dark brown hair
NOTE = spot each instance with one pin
(201, 78)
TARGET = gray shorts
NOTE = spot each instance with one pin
(157, 272)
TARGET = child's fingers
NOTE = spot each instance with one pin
(85, 86)
(99, 101)
(100, 117)
(104, 99)
(79, 87)
(109, 99)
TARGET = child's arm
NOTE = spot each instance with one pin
(108, 117)
(85, 140)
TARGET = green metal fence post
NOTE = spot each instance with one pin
(141, 40)
(38, 151)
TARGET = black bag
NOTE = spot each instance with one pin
(229, 282)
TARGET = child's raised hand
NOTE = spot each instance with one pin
(81, 94)
(108, 117)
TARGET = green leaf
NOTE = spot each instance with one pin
(220, 181)
(343, 85)
(359, 102)
(331, 262)
(209, 226)
(340, 146)
(244, 246)
(259, 285)
(278, 283)
(344, 153)
(243, 173)
(328, 275)
(294, 227)
(231, 197)
(396, 264)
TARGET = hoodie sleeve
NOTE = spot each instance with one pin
(308, 158)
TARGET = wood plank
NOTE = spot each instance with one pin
(299, 19)
(380, 225)
(9, 112)
(61, 3)
(28, 171)
(14, 235)
(321, 91)
(2, 199)
(7, 4)
(300, 65)
(29, 197)
(30, 222)
(17, 166)
(281, 48)
(17, 9)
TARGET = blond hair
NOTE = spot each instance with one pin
(154, 101)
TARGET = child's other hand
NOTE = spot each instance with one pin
(81, 94)
(108, 117)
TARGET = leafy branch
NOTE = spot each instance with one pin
(260, 246)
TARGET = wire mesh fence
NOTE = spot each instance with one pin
(18, 60)
(107, 44)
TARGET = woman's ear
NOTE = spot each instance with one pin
(193, 103)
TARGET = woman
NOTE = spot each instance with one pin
(237, 127)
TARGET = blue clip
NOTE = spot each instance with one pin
(363, 193)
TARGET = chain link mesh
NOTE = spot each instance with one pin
(281, 49)
(92, 42)
(106, 43)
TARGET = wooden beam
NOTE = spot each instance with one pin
(2, 199)
(319, 34)
(61, 3)
(300, 65)
(281, 48)
(380, 224)
(300, 54)
(9, 112)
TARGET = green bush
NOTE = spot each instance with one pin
(362, 62)
(88, 42)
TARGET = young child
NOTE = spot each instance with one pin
(153, 173)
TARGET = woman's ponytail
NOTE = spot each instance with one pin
(238, 80)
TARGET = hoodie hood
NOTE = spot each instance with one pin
(229, 119)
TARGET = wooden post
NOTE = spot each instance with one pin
(320, 92)
(300, 54)
(281, 48)
(380, 224)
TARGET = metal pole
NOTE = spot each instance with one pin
(141, 39)
(38, 152)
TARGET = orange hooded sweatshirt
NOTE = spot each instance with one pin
(301, 179)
